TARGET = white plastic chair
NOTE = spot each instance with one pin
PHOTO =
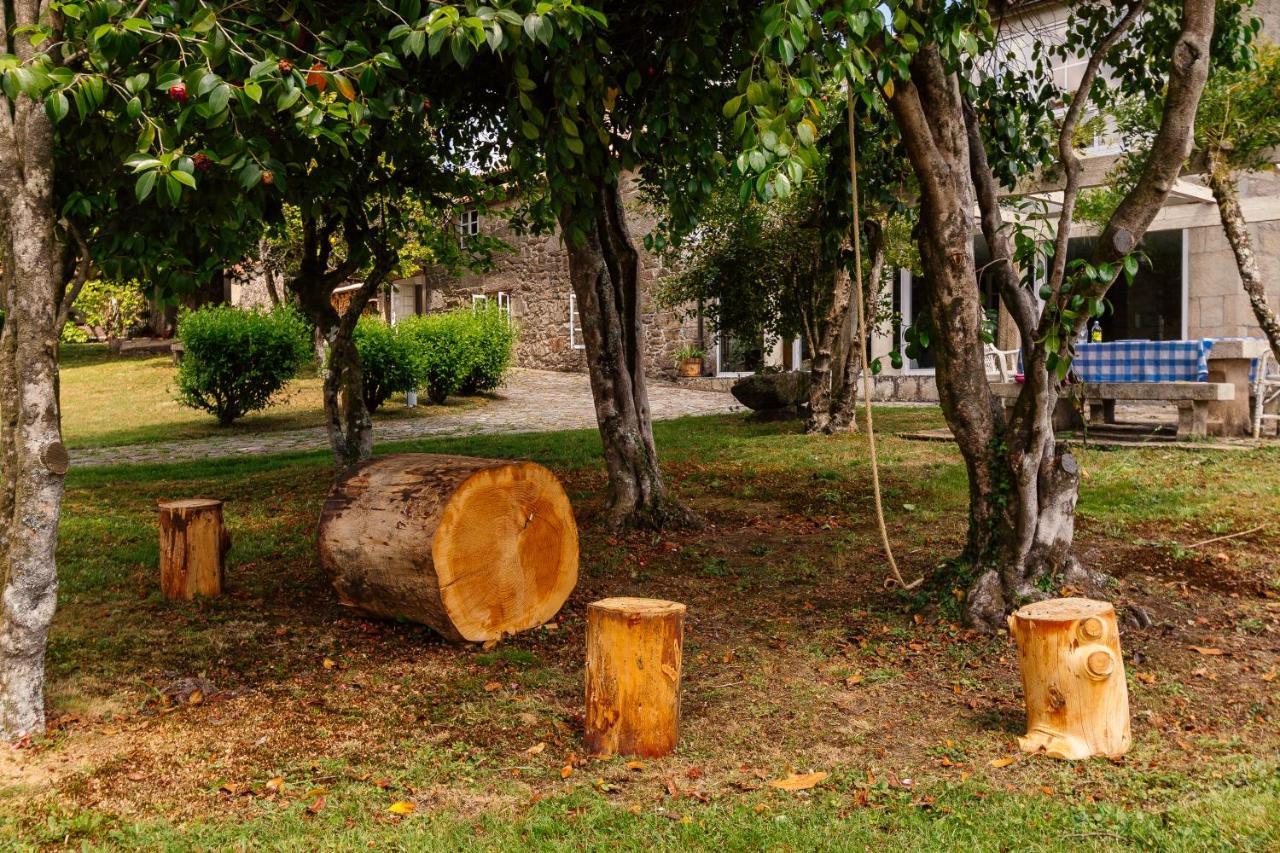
(1001, 362)
(1266, 391)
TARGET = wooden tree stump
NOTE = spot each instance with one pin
(634, 652)
(474, 548)
(193, 548)
(1073, 678)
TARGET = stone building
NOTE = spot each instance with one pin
(531, 283)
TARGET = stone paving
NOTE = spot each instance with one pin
(531, 401)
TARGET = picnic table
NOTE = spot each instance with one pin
(1211, 360)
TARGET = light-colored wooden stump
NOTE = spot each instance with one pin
(474, 548)
(634, 652)
(1073, 678)
(193, 548)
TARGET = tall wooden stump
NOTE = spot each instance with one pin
(474, 548)
(634, 652)
(193, 548)
(1073, 678)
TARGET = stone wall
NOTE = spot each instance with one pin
(534, 276)
(248, 287)
(1217, 306)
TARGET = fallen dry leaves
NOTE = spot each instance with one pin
(1205, 650)
(402, 807)
(799, 781)
(1002, 762)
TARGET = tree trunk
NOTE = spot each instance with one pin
(929, 112)
(1022, 485)
(474, 548)
(1222, 182)
(634, 652)
(347, 421)
(823, 369)
(269, 278)
(844, 397)
(33, 457)
(605, 273)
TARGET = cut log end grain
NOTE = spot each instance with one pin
(474, 548)
(1073, 678)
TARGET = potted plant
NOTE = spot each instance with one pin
(689, 360)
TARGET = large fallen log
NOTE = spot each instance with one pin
(474, 548)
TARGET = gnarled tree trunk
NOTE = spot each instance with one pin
(347, 420)
(31, 452)
(822, 372)
(836, 401)
(604, 269)
(1022, 484)
(1222, 181)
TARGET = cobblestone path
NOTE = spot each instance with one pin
(532, 401)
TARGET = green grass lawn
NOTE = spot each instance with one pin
(796, 660)
(118, 400)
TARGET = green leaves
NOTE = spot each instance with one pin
(145, 184)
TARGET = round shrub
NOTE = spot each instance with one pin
(491, 338)
(388, 361)
(235, 361)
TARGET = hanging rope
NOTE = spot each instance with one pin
(862, 348)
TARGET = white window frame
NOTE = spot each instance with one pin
(905, 279)
(479, 300)
(504, 305)
(728, 374)
(1186, 283)
(574, 343)
(468, 225)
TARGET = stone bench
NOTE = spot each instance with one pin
(1191, 398)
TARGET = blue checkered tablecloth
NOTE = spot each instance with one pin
(1143, 361)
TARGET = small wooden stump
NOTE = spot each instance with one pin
(1073, 678)
(193, 548)
(634, 652)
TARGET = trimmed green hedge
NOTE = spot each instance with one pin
(465, 351)
(491, 340)
(235, 361)
(389, 361)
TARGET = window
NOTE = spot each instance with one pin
(739, 355)
(480, 302)
(1152, 308)
(419, 299)
(575, 324)
(468, 225)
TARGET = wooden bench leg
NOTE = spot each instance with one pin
(1193, 418)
